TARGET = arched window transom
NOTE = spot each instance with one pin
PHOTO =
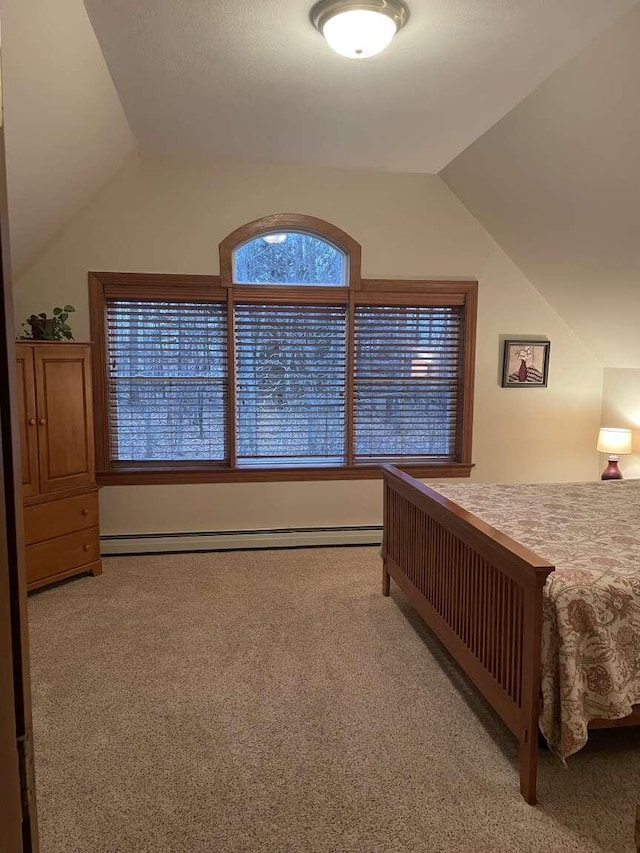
(292, 258)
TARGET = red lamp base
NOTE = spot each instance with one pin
(612, 472)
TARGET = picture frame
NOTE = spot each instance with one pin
(525, 363)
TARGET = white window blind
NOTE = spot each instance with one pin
(291, 363)
(167, 381)
(408, 363)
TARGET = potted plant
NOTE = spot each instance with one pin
(39, 327)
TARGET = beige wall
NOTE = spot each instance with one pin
(621, 408)
(157, 218)
(65, 130)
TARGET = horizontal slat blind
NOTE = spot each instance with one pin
(167, 381)
(408, 362)
(291, 365)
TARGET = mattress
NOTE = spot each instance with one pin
(591, 630)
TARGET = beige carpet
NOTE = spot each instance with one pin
(275, 701)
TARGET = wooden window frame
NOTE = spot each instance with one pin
(150, 287)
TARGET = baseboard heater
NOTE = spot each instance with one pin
(239, 540)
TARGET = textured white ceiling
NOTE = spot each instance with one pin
(557, 184)
(252, 79)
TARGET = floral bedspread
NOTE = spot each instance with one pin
(591, 632)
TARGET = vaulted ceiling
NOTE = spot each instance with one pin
(557, 184)
(539, 96)
(253, 80)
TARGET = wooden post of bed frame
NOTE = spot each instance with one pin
(386, 577)
(386, 580)
(531, 676)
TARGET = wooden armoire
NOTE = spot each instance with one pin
(62, 536)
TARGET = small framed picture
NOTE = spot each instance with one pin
(526, 364)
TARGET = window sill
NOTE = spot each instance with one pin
(170, 476)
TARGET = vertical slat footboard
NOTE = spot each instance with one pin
(479, 592)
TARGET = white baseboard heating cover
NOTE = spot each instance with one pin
(238, 540)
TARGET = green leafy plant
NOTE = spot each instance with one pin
(39, 327)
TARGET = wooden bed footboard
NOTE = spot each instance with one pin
(480, 592)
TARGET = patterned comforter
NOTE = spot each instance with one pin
(591, 630)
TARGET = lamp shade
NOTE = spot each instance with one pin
(359, 33)
(616, 441)
(359, 28)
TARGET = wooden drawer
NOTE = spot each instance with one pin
(62, 554)
(56, 518)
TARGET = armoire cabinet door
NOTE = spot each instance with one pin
(28, 421)
(65, 422)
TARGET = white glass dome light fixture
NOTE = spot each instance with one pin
(359, 30)
(274, 238)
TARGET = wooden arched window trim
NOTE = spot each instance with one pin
(290, 222)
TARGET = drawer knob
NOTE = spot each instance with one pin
(85, 511)
(42, 421)
(31, 421)
(87, 547)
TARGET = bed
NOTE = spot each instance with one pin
(553, 642)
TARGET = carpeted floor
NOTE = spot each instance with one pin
(275, 701)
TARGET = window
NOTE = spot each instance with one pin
(168, 381)
(289, 258)
(287, 366)
(291, 372)
(407, 370)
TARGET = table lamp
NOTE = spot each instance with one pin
(615, 442)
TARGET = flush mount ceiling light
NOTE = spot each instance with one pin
(359, 30)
